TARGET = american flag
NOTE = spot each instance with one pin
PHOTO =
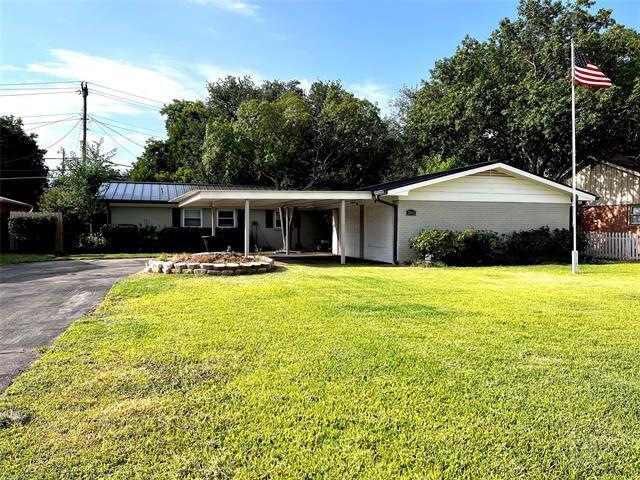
(586, 73)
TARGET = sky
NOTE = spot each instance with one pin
(139, 54)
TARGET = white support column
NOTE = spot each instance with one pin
(213, 219)
(341, 232)
(247, 228)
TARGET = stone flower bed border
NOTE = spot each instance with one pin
(253, 264)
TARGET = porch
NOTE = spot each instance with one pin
(286, 203)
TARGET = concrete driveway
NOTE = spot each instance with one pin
(39, 300)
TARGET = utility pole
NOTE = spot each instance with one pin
(84, 91)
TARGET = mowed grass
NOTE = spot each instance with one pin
(340, 372)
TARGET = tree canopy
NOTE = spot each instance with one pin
(20, 156)
(508, 98)
(271, 134)
(504, 99)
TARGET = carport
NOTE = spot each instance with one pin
(276, 199)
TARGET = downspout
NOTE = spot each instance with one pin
(376, 198)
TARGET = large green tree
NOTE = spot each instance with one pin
(23, 173)
(326, 138)
(508, 98)
(179, 157)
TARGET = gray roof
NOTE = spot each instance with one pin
(157, 192)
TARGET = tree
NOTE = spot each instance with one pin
(508, 98)
(20, 156)
(75, 192)
(156, 164)
(267, 140)
(325, 139)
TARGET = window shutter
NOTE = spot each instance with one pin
(175, 217)
(268, 218)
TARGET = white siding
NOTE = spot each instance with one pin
(489, 186)
(378, 232)
(614, 186)
(499, 217)
(352, 234)
(159, 216)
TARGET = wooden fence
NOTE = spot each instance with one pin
(613, 245)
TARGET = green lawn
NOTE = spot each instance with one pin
(6, 258)
(340, 372)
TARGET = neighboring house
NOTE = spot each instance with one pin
(617, 185)
(374, 223)
(8, 205)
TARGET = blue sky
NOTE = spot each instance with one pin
(169, 49)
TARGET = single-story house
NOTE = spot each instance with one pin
(616, 182)
(373, 223)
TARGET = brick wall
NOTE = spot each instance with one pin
(606, 218)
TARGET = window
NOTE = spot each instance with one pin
(192, 217)
(634, 214)
(226, 219)
(276, 220)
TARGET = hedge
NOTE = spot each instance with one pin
(482, 247)
(35, 232)
(118, 238)
(121, 238)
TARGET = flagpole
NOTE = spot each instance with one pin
(574, 252)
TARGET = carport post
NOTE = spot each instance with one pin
(341, 233)
(247, 226)
(213, 219)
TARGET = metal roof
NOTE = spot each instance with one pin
(157, 192)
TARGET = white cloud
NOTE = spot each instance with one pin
(161, 78)
(234, 6)
(374, 92)
(214, 72)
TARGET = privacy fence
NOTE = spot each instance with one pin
(613, 245)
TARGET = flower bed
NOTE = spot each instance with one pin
(210, 263)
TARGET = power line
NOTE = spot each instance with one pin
(118, 133)
(36, 88)
(128, 93)
(47, 115)
(20, 178)
(112, 138)
(124, 100)
(46, 148)
(35, 93)
(46, 124)
(125, 128)
(37, 83)
(107, 119)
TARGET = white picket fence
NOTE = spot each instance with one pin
(614, 246)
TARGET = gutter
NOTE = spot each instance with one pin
(376, 198)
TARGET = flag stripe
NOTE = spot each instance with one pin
(597, 73)
(592, 78)
(593, 85)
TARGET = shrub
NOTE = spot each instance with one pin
(481, 247)
(148, 235)
(34, 232)
(121, 238)
(92, 243)
(468, 247)
(189, 239)
(182, 239)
